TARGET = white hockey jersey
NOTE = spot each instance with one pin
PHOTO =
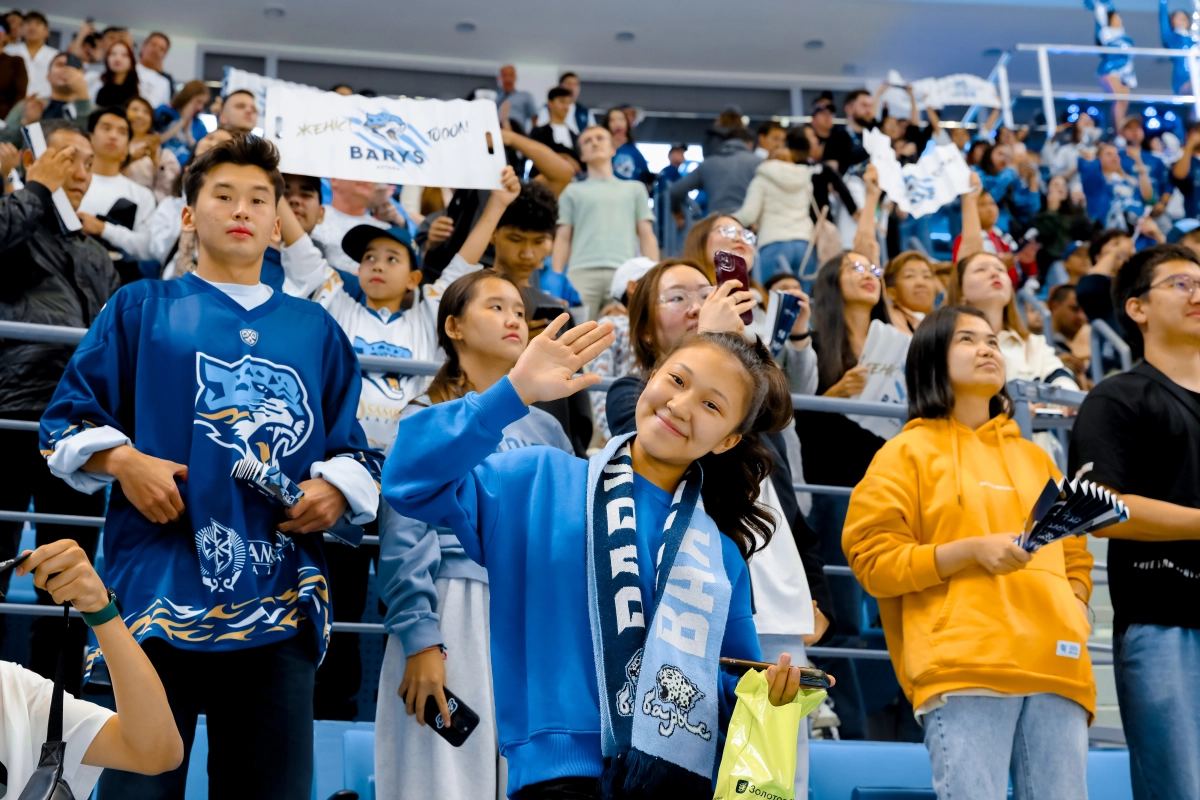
(405, 334)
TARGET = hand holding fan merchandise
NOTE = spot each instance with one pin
(1070, 509)
(782, 311)
(883, 354)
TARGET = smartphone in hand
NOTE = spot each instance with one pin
(462, 719)
(732, 267)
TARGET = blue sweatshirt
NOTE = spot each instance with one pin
(1174, 40)
(1112, 200)
(522, 514)
(413, 555)
(1025, 201)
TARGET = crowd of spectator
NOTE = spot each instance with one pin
(1095, 226)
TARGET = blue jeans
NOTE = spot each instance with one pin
(782, 257)
(975, 743)
(1158, 686)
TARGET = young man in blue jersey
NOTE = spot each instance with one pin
(175, 385)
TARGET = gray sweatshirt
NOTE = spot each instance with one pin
(413, 555)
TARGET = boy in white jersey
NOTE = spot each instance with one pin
(371, 309)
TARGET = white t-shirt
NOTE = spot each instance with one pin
(154, 86)
(106, 190)
(25, 702)
(37, 68)
(331, 231)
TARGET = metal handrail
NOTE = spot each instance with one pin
(59, 334)
(998, 76)
(1025, 299)
(1102, 332)
(1048, 95)
(1101, 50)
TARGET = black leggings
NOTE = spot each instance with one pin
(561, 789)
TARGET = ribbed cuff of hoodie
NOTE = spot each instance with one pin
(924, 567)
(501, 406)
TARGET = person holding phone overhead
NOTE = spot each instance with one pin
(989, 642)
(569, 544)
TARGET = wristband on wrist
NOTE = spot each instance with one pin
(113, 609)
(799, 337)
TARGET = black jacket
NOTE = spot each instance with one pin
(46, 277)
(621, 405)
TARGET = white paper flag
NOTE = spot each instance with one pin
(922, 188)
(883, 354)
(453, 143)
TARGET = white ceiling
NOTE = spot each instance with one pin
(761, 41)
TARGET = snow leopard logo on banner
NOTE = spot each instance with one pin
(222, 554)
(672, 697)
(625, 695)
(253, 406)
(389, 383)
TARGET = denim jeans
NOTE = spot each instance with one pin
(782, 257)
(975, 743)
(1158, 686)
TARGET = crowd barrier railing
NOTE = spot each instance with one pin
(1048, 95)
(1103, 334)
(1024, 393)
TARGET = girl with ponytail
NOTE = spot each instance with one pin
(616, 583)
(437, 598)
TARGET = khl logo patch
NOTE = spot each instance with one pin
(249, 336)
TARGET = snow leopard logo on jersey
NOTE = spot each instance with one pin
(672, 697)
(253, 406)
(390, 384)
(222, 554)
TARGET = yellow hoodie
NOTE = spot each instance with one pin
(1022, 633)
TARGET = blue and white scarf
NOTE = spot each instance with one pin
(659, 685)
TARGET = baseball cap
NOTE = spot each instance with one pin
(1180, 229)
(822, 104)
(1072, 247)
(354, 243)
(631, 270)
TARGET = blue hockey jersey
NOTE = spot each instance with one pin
(189, 375)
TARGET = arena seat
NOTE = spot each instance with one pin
(343, 758)
(358, 753)
(895, 771)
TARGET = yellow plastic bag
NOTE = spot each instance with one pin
(759, 762)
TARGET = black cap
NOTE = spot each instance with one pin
(354, 243)
(822, 104)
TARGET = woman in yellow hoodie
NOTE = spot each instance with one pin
(988, 642)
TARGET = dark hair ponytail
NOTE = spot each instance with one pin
(450, 382)
(732, 479)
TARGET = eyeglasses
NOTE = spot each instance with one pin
(679, 300)
(733, 233)
(861, 268)
(1186, 285)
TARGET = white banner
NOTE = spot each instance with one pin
(883, 354)
(237, 80)
(922, 188)
(937, 93)
(956, 90)
(451, 143)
